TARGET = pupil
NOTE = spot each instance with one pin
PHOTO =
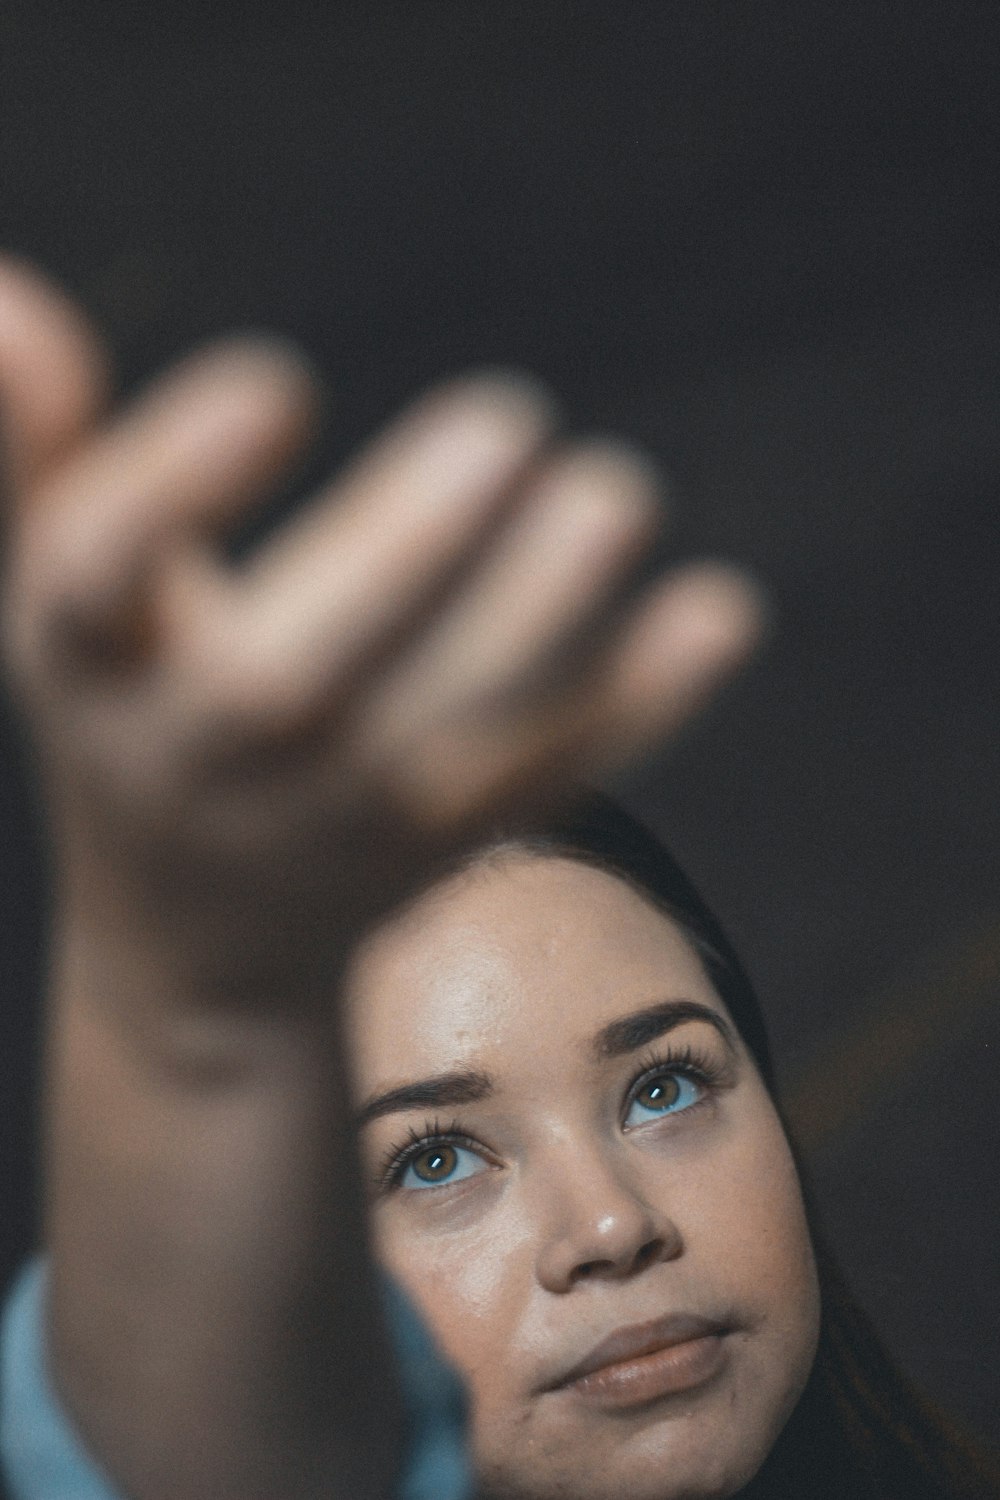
(435, 1165)
(659, 1093)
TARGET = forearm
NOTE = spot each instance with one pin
(214, 1325)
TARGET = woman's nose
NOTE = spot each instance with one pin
(597, 1222)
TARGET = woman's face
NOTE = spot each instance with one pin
(579, 1177)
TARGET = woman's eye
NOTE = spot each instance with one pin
(663, 1094)
(440, 1164)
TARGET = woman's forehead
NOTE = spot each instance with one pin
(518, 954)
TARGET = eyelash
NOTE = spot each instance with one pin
(398, 1157)
(687, 1061)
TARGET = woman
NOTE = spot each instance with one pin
(258, 779)
(579, 1174)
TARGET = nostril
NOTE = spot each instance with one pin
(647, 1253)
(643, 1257)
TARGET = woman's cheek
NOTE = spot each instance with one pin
(470, 1287)
(733, 1194)
(763, 1227)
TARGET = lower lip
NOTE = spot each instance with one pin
(663, 1372)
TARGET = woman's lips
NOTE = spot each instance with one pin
(647, 1361)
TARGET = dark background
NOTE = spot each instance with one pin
(761, 239)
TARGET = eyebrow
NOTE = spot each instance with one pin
(444, 1088)
(627, 1034)
(643, 1026)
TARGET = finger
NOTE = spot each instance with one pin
(53, 374)
(203, 443)
(694, 632)
(525, 619)
(680, 646)
(323, 601)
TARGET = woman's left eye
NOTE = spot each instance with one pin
(663, 1093)
(440, 1164)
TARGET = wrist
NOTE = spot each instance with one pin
(161, 949)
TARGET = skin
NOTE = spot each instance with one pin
(245, 768)
(573, 1211)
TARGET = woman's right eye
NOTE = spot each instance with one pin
(438, 1165)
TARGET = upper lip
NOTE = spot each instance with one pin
(638, 1339)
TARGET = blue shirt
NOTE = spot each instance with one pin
(44, 1459)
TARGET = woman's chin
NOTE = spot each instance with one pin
(684, 1454)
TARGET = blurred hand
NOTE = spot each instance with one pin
(247, 764)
